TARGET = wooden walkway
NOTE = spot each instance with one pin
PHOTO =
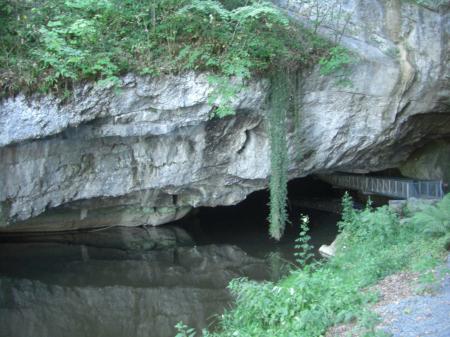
(398, 188)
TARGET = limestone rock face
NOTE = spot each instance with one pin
(147, 151)
(432, 162)
(399, 86)
(144, 153)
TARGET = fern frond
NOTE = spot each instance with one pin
(434, 220)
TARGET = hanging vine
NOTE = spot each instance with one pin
(284, 106)
(277, 113)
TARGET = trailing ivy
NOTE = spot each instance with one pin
(277, 113)
(284, 106)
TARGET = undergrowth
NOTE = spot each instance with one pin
(50, 45)
(373, 244)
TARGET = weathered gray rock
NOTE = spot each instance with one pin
(135, 239)
(430, 162)
(399, 94)
(144, 154)
(147, 152)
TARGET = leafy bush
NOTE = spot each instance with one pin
(434, 220)
(374, 244)
(380, 224)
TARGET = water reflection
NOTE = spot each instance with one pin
(69, 290)
(139, 281)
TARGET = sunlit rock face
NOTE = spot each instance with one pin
(147, 151)
(398, 93)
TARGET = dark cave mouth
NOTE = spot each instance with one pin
(245, 224)
(247, 221)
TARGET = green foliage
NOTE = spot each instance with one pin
(303, 247)
(434, 220)
(225, 90)
(48, 45)
(337, 62)
(380, 224)
(278, 154)
(184, 330)
(348, 213)
(312, 299)
(430, 3)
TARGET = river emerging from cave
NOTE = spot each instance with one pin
(141, 281)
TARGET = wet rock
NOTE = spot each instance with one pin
(128, 239)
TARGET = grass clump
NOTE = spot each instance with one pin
(373, 244)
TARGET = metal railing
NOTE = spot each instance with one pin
(390, 187)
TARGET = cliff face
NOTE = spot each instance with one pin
(148, 151)
(141, 154)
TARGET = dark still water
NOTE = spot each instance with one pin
(141, 282)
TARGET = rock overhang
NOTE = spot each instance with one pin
(147, 151)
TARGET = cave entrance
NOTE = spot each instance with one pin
(246, 226)
(178, 278)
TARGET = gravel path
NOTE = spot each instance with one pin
(419, 316)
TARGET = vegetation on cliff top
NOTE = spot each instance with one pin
(49, 45)
(373, 244)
